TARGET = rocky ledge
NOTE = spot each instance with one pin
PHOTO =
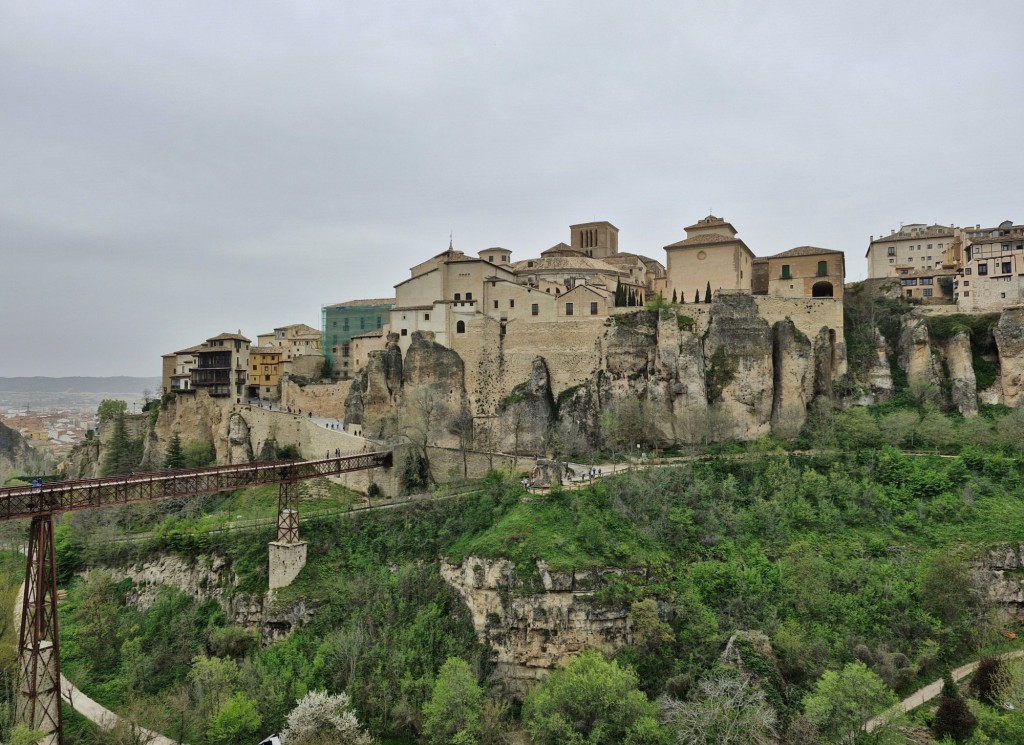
(533, 630)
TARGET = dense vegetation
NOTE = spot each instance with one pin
(850, 563)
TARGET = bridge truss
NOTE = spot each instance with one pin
(39, 639)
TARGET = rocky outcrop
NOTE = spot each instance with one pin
(377, 387)
(879, 374)
(1009, 334)
(963, 386)
(1001, 574)
(924, 374)
(533, 630)
(212, 577)
(739, 358)
(793, 361)
(239, 443)
(527, 415)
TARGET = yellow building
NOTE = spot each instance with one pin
(711, 254)
(264, 372)
(806, 271)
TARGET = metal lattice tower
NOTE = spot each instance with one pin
(38, 705)
(287, 514)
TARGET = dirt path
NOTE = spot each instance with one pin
(930, 691)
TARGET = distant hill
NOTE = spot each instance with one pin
(119, 384)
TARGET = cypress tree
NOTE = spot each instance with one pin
(675, 298)
(696, 296)
(620, 294)
(175, 457)
(707, 293)
(953, 718)
(119, 458)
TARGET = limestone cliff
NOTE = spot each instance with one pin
(533, 632)
(740, 368)
(917, 359)
(527, 415)
(1009, 334)
(963, 393)
(212, 577)
(1001, 574)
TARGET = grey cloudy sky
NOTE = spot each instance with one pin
(171, 170)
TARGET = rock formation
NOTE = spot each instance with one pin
(533, 632)
(1009, 334)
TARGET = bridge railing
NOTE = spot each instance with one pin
(83, 494)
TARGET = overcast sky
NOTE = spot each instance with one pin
(172, 170)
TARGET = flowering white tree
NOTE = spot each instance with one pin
(322, 718)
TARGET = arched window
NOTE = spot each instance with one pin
(822, 289)
(460, 327)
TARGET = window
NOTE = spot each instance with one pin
(1002, 294)
(458, 296)
(891, 251)
(785, 272)
(928, 292)
(982, 269)
(505, 259)
(266, 378)
(426, 316)
(908, 282)
(469, 296)
(534, 309)
(967, 294)
(511, 303)
(460, 327)
(405, 332)
(967, 283)
(490, 259)
(823, 268)
(568, 309)
(495, 304)
(892, 261)
(967, 271)
(927, 280)
(1007, 267)
(593, 309)
(1006, 246)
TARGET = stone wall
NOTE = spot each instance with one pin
(323, 399)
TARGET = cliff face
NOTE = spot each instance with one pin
(659, 381)
(213, 578)
(1009, 334)
(533, 633)
(1001, 574)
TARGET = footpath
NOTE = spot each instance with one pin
(94, 712)
(930, 691)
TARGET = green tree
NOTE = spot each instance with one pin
(591, 702)
(986, 679)
(953, 718)
(175, 457)
(727, 710)
(675, 297)
(123, 452)
(22, 735)
(842, 702)
(696, 296)
(96, 623)
(110, 409)
(857, 429)
(707, 293)
(198, 453)
(452, 715)
(236, 722)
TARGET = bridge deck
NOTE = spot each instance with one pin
(18, 502)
